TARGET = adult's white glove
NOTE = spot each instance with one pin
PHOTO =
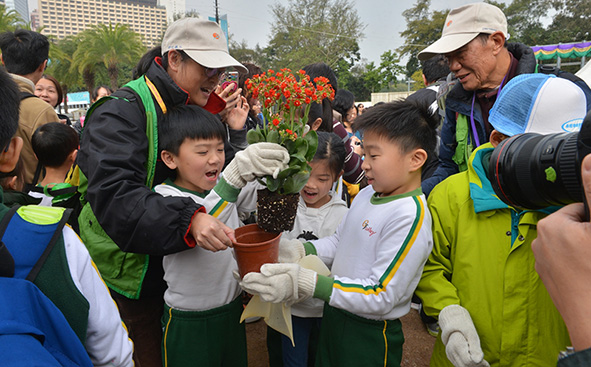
(462, 344)
(281, 283)
(290, 251)
(257, 160)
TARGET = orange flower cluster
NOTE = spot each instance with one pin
(282, 94)
(286, 104)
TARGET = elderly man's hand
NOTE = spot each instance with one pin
(210, 233)
(563, 260)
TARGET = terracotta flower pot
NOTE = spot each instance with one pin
(255, 247)
(275, 212)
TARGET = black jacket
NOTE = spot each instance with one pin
(113, 151)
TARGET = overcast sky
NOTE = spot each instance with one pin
(250, 20)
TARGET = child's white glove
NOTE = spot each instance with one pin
(281, 283)
(257, 160)
(290, 251)
(458, 334)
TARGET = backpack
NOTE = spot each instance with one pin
(33, 330)
(64, 196)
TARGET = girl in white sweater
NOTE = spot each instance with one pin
(319, 213)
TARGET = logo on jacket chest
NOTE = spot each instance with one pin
(367, 228)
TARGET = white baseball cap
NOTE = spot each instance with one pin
(463, 24)
(538, 103)
(202, 40)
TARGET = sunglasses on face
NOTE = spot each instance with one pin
(211, 72)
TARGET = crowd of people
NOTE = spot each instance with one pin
(401, 205)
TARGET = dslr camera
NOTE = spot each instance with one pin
(534, 171)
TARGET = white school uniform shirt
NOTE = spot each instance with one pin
(314, 223)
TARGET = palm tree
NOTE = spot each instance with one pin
(109, 45)
(9, 19)
(60, 68)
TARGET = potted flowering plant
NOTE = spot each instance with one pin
(286, 101)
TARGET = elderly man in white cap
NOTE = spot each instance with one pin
(125, 226)
(474, 41)
(480, 279)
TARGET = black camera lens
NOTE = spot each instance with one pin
(533, 171)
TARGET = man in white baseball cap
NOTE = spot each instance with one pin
(474, 42)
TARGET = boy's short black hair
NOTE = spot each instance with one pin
(188, 122)
(9, 108)
(53, 142)
(23, 51)
(435, 68)
(408, 123)
(332, 148)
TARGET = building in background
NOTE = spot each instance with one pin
(35, 20)
(61, 18)
(173, 7)
(21, 7)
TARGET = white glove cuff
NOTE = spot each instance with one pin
(232, 175)
(306, 283)
(453, 318)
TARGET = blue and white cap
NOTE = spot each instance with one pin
(538, 103)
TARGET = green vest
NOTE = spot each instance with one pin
(123, 272)
(464, 148)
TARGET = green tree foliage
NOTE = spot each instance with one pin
(109, 45)
(571, 22)
(241, 52)
(9, 19)
(60, 56)
(423, 27)
(308, 31)
(417, 78)
(364, 78)
(525, 20)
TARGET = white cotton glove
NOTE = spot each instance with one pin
(290, 251)
(281, 283)
(257, 160)
(462, 344)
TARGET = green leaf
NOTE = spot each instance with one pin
(273, 137)
(296, 182)
(290, 146)
(301, 148)
(312, 140)
(289, 171)
(254, 136)
(273, 183)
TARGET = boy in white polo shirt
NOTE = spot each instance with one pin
(378, 252)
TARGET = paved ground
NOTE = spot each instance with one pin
(417, 347)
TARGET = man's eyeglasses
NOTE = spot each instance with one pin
(211, 72)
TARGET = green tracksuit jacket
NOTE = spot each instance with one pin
(482, 260)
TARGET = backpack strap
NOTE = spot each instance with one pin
(31, 185)
(6, 259)
(6, 219)
(56, 235)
